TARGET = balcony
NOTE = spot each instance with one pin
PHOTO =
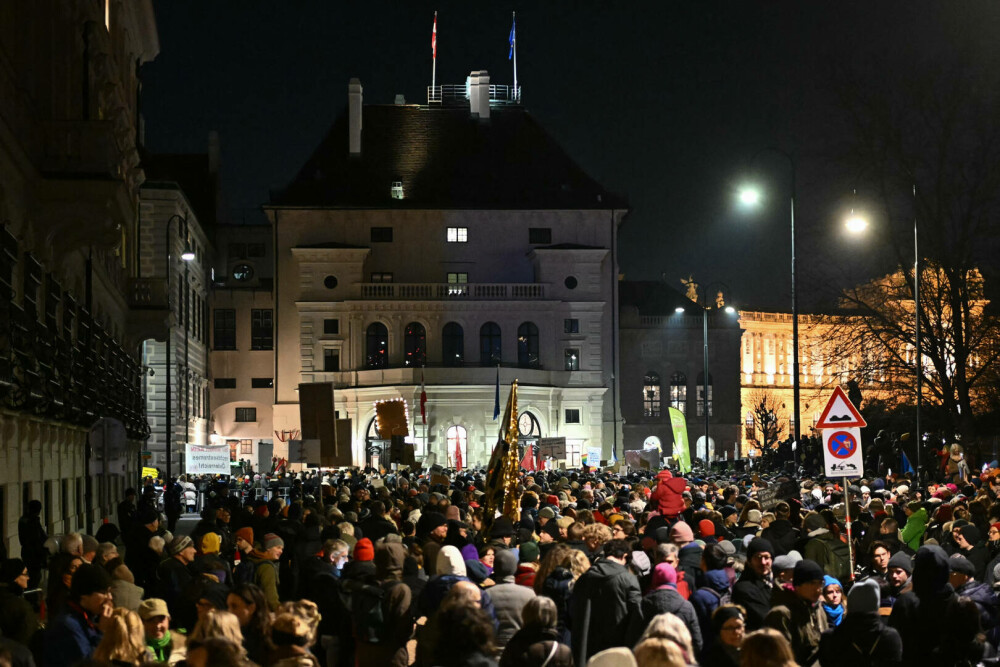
(469, 374)
(149, 313)
(450, 291)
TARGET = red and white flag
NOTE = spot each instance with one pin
(458, 454)
(423, 399)
(434, 37)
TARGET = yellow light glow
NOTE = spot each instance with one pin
(856, 224)
(750, 196)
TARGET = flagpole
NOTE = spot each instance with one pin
(514, 46)
(434, 54)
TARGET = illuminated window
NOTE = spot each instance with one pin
(679, 391)
(574, 448)
(415, 345)
(704, 395)
(382, 277)
(651, 395)
(458, 443)
(572, 359)
(397, 190)
(458, 284)
(458, 234)
(107, 14)
(376, 346)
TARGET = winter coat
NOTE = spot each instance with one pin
(819, 547)
(861, 640)
(665, 600)
(754, 594)
(667, 494)
(266, 576)
(987, 602)
(18, 620)
(509, 599)
(689, 562)
(782, 536)
(914, 529)
(70, 639)
(979, 558)
(706, 600)
(604, 598)
(801, 622)
(558, 587)
(531, 647)
(174, 576)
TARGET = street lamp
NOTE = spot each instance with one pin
(857, 225)
(187, 255)
(751, 197)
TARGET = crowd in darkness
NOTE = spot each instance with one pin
(644, 568)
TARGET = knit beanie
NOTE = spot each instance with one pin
(814, 522)
(364, 550)
(901, 560)
(706, 528)
(759, 545)
(502, 527)
(971, 534)
(754, 517)
(528, 552)
(723, 614)
(663, 575)
(90, 579)
(504, 564)
(246, 533)
(433, 520)
(211, 543)
(179, 544)
(271, 540)
(865, 597)
(806, 571)
(681, 532)
(546, 513)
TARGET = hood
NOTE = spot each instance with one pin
(605, 569)
(930, 571)
(504, 566)
(717, 580)
(450, 561)
(389, 559)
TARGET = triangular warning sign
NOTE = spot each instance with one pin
(840, 413)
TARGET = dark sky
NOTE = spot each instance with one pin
(664, 102)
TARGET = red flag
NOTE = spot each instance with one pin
(458, 454)
(528, 462)
(434, 37)
(423, 399)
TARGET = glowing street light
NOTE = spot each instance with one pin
(856, 224)
(750, 196)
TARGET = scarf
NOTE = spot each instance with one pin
(834, 614)
(160, 647)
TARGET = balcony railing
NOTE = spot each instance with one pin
(499, 94)
(447, 291)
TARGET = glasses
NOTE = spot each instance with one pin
(994, 531)
(734, 627)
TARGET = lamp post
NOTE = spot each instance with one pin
(705, 308)
(187, 255)
(857, 225)
(751, 197)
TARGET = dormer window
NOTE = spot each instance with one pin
(397, 189)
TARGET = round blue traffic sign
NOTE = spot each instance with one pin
(842, 444)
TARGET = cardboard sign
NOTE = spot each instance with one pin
(775, 493)
(552, 447)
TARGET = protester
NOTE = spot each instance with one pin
(604, 598)
(766, 648)
(862, 639)
(728, 626)
(165, 646)
(18, 620)
(77, 631)
(536, 643)
(123, 641)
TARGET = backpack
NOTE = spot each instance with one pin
(369, 616)
(724, 598)
(838, 562)
(245, 572)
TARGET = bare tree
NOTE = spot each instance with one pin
(767, 427)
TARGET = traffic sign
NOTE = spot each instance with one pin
(840, 413)
(146, 455)
(842, 452)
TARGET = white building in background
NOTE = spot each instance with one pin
(430, 243)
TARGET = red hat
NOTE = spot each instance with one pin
(364, 550)
(552, 500)
(706, 528)
(246, 533)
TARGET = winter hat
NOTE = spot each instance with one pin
(179, 544)
(147, 515)
(504, 564)
(995, 525)
(681, 532)
(831, 581)
(364, 550)
(723, 614)
(502, 527)
(962, 565)
(90, 579)
(664, 574)
(210, 543)
(971, 534)
(528, 552)
(551, 529)
(902, 561)
(453, 513)
(216, 595)
(753, 518)
(706, 528)
(727, 511)
(913, 505)
(246, 533)
(806, 571)
(864, 597)
(433, 520)
(546, 513)
(759, 545)
(814, 522)
(728, 547)
(640, 561)
(152, 608)
(271, 540)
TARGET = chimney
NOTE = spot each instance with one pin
(214, 152)
(474, 93)
(484, 95)
(354, 116)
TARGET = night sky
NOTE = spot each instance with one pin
(663, 102)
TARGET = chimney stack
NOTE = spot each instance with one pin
(479, 94)
(354, 116)
(214, 152)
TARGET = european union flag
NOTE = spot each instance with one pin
(513, 38)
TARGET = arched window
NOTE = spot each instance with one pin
(458, 447)
(414, 345)
(453, 344)
(489, 344)
(651, 395)
(704, 394)
(527, 345)
(376, 346)
(679, 391)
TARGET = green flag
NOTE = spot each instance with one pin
(682, 453)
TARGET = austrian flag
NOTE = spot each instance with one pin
(434, 42)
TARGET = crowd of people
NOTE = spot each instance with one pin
(645, 568)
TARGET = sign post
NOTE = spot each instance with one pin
(841, 424)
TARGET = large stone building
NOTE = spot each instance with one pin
(432, 244)
(662, 365)
(69, 196)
